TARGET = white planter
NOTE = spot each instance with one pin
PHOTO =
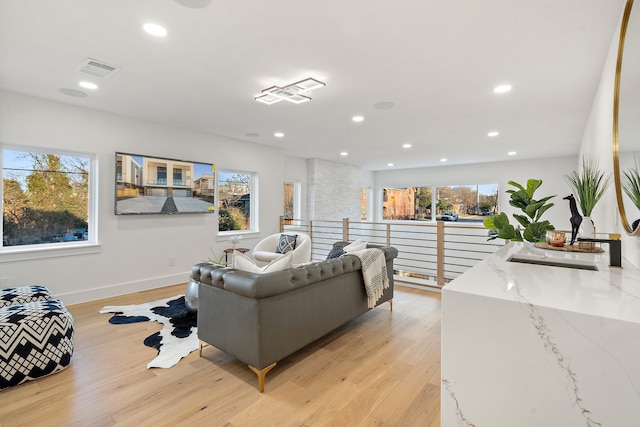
(587, 228)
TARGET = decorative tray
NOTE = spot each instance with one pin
(586, 247)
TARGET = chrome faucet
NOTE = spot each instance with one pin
(615, 248)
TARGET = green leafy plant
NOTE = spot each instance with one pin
(589, 185)
(215, 259)
(522, 198)
(631, 185)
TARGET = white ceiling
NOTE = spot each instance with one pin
(437, 61)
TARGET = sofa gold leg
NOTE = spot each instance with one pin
(390, 307)
(261, 374)
(202, 345)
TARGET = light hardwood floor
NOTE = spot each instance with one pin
(381, 369)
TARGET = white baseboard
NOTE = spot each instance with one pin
(93, 294)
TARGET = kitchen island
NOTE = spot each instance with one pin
(538, 345)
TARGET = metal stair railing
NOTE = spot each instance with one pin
(429, 254)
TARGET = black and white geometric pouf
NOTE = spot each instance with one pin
(36, 339)
(23, 294)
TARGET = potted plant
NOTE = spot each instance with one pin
(192, 291)
(215, 259)
(631, 186)
(535, 230)
(588, 187)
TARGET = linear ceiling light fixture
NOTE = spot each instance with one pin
(292, 92)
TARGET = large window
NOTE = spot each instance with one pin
(469, 202)
(292, 208)
(465, 203)
(289, 200)
(46, 198)
(411, 203)
(366, 206)
(177, 177)
(236, 201)
(161, 175)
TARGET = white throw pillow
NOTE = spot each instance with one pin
(355, 246)
(244, 263)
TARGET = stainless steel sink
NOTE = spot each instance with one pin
(553, 261)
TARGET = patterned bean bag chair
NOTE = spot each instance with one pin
(36, 339)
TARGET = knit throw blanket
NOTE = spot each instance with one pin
(374, 273)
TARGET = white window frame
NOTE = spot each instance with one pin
(49, 250)
(380, 205)
(253, 204)
(369, 208)
(297, 193)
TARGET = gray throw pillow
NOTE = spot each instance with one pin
(286, 243)
(337, 250)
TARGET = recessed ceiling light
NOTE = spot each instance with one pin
(389, 164)
(344, 153)
(357, 119)
(406, 145)
(278, 134)
(443, 160)
(511, 153)
(502, 89)
(155, 30)
(88, 85)
(73, 92)
(493, 133)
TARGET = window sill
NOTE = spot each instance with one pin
(226, 236)
(31, 253)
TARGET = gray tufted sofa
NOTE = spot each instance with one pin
(262, 318)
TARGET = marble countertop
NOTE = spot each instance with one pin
(537, 345)
(610, 292)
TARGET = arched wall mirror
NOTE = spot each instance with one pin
(626, 117)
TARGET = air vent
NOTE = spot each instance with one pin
(96, 68)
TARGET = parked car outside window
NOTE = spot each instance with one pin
(449, 216)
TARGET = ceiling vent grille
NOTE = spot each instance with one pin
(96, 68)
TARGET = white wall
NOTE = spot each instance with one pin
(597, 141)
(550, 171)
(134, 250)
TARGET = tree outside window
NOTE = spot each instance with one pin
(45, 197)
(235, 201)
(466, 202)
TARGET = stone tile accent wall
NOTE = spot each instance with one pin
(334, 190)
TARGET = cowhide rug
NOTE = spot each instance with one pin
(179, 334)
